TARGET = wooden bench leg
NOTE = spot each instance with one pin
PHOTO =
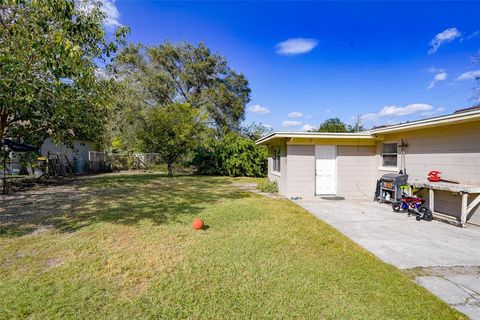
(463, 217)
(431, 200)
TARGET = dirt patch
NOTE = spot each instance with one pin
(52, 263)
(443, 271)
(28, 211)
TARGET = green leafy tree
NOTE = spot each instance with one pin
(126, 119)
(171, 131)
(183, 73)
(241, 157)
(333, 125)
(49, 84)
(233, 155)
(255, 131)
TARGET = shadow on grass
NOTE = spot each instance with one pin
(121, 199)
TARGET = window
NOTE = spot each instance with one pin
(389, 154)
(276, 159)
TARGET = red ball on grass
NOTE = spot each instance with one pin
(197, 224)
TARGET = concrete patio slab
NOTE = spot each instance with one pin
(470, 283)
(397, 238)
(445, 290)
(473, 312)
(449, 254)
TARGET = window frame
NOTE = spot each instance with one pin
(389, 154)
(276, 156)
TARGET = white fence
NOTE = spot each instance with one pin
(96, 161)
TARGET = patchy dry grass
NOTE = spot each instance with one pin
(122, 246)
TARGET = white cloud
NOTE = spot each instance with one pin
(308, 127)
(473, 35)
(405, 111)
(434, 70)
(258, 109)
(112, 15)
(296, 46)
(445, 36)
(470, 75)
(291, 123)
(432, 113)
(328, 111)
(295, 115)
(441, 76)
(111, 10)
(394, 111)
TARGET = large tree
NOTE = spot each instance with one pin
(184, 73)
(333, 125)
(255, 131)
(171, 131)
(49, 85)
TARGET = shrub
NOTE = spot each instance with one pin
(268, 186)
(206, 160)
(233, 155)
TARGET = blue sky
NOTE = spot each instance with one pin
(308, 61)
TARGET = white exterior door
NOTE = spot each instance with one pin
(325, 169)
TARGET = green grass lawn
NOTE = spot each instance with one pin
(126, 249)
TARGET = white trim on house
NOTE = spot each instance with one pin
(388, 168)
(375, 133)
(324, 135)
(430, 122)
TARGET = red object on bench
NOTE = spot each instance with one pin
(434, 176)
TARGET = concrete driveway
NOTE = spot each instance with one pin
(445, 257)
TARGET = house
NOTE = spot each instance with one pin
(309, 164)
(80, 149)
(79, 154)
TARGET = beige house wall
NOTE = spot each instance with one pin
(454, 150)
(301, 171)
(356, 171)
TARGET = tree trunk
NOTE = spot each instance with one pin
(170, 169)
(3, 124)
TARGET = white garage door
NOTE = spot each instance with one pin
(325, 170)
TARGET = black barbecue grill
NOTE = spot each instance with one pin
(388, 187)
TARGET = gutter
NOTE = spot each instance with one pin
(316, 135)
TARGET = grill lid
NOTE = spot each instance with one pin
(396, 178)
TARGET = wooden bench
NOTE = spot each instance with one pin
(463, 189)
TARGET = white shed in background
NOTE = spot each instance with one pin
(80, 149)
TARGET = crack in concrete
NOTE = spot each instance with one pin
(466, 290)
(471, 297)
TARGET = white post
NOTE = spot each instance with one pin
(431, 200)
(463, 217)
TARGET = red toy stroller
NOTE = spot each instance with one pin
(413, 205)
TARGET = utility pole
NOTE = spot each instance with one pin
(358, 124)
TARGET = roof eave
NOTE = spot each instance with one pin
(432, 122)
(313, 135)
